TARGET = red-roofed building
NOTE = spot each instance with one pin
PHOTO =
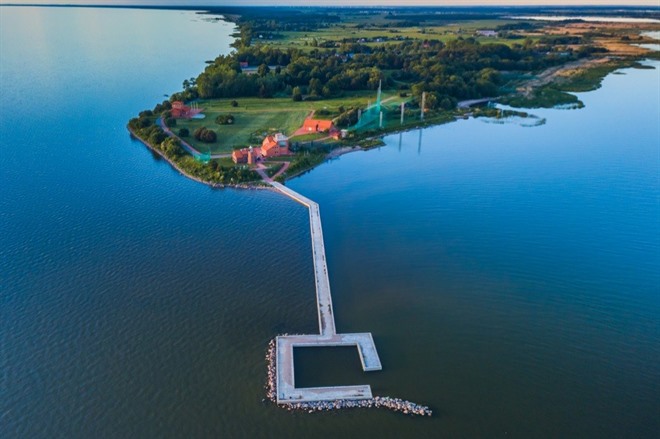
(317, 125)
(240, 156)
(179, 109)
(246, 155)
(275, 145)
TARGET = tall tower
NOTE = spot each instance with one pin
(380, 85)
(423, 105)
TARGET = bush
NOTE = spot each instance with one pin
(225, 119)
(184, 132)
(234, 103)
(205, 135)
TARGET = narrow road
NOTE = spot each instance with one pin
(471, 102)
(187, 146)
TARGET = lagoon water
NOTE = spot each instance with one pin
(510, 275)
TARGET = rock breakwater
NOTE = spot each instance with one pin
(386, 402)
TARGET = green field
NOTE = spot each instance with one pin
(391, 35)
(255, 117)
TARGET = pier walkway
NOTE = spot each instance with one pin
(323, 297)
(327, 337)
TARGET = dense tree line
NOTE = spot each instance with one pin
(459, 69)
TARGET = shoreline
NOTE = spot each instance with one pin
(338, 152)
(192, 177)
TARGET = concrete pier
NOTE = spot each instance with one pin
(327, 337)
(323, 296)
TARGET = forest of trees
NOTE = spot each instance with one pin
(459, 69)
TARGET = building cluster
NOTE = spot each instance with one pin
(272, 146)
(486, 33)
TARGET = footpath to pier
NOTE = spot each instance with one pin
(327, 337)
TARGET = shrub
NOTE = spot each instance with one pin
(184, 132)
(234, 103)
(225, 119)
(205, 135)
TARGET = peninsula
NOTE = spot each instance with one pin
(315, 83)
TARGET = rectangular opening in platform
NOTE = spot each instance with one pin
(328, 366)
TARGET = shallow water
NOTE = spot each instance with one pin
(508, 273)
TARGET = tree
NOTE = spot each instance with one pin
(156, 137)
(315, 87)
(431, 101)
(205, 135)
(297, 94)
(184, 132)
(263, 70)
(234, 103)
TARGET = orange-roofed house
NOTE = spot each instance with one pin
(275, 145)
(317, 125)
(240, 156)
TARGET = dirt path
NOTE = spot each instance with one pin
(261, 170)
(187, 146)
(282, 170)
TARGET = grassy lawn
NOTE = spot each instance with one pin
(254, 117)
(309, 137)
(348, 29)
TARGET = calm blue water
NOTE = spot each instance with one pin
(509, 274)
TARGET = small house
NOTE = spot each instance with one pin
(318, 125)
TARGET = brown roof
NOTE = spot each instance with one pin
(269, 143)
(318, 124)
(239, 153)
